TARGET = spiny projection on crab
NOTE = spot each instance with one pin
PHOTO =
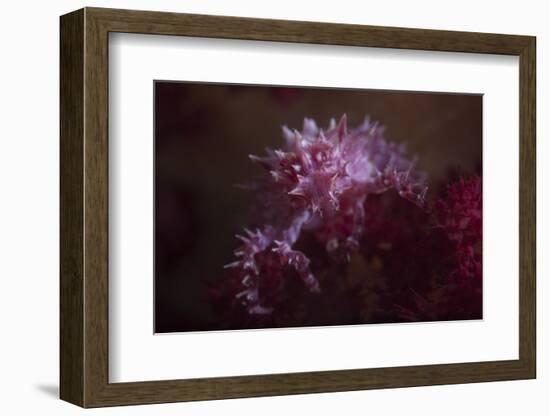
(317, 182)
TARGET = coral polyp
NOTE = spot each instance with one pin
(460, 217)
(316, 184)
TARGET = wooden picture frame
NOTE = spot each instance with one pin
(84, 207)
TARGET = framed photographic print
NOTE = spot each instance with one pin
(260, 207)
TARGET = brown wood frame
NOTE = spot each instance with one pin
(84, 213)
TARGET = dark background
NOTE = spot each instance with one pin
(203, 136)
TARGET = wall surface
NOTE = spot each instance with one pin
(29, 209)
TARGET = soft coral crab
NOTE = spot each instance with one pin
(318, 183)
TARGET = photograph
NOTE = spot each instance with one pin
(289, 206)
(281, 202)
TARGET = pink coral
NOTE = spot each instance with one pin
(317, 184)
(460, 216)
(454, 249)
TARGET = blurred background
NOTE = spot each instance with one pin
(203, 136)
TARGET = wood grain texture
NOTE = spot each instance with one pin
(71, 203)
(527, 207)
(162, 23)
(84, 207)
